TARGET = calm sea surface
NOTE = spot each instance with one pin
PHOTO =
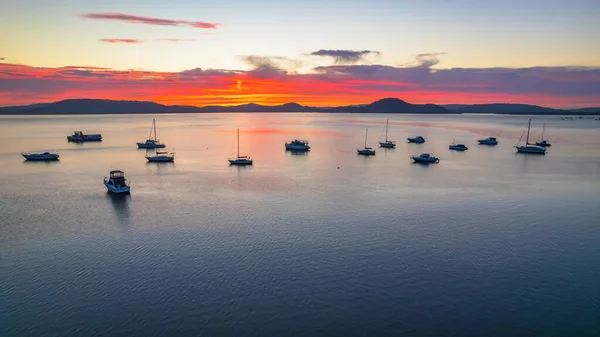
(486, 243)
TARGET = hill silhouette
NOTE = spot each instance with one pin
(385, 105)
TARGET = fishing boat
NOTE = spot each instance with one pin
(458, 147)
(45, 156)
(297, 145)
(116, 182)
(388, 144)
(161, 157)
(367, 151)
(152, 141)
(417, 140)
(240, 160)
(425, 158)
(529, 148)
(542, 142)
(488, 141)
(79, 136)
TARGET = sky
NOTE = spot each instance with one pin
(325, 53)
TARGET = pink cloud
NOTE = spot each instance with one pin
(134, 19)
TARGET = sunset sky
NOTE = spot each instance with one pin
(198, 52)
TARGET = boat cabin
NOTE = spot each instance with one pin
(118, 178)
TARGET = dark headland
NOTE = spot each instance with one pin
(386, 105)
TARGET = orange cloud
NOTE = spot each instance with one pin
(326, 86)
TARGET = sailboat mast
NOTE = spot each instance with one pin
(366, 131)
(154, 126)
(386, 128)
(238, 141)
(543, 129)
(528, 128)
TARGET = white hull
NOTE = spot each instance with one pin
(531, 149)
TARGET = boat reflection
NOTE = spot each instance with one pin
(120, 205)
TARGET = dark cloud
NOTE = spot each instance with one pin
(428, 59)
(121, 40)
(344, 56)
(149, 21)
(2, 59)
(177, 40)
(270, 66)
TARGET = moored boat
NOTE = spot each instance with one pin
(79, 136)
(45, 156)
(425, 158)
(297, 145)
(240, 160)
(417, 140)
(458, 147)
(116, 182)
(488, 141)
(529, 148)
(388, 144)
(152, 142)
(542, 142)
(161, 157)
(366, 151)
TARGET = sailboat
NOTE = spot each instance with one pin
(528, 148)
(387, 143)
(367, 151)
(161, 157)
(543, 142)
(151, 142)
(240, 160)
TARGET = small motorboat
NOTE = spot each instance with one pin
(458, 147)
(417, 140)
(425, 158)
(488, 141)
(366, 151)
(161, 157)
(152, 142)
(297, 145)
(241, 161)
(117, 183)
(79, 136)
(46, 156)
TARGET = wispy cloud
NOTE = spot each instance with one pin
(344, 56)
(134, 19)
(177, 40)
(121, 40)
(270, 66)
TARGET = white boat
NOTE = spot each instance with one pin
(529, 148)
(161, 157)
(46, 156)
(458, 147)
(117, 183)
(488, 141)
(152, 141)
(79, 136)
(425, 158)
(418, 140)
(297, 145)
(367, 151)
(240, 160)
(542, 142)
(388, 144)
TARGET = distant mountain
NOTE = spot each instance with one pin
(505, 108)
(386, 105)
